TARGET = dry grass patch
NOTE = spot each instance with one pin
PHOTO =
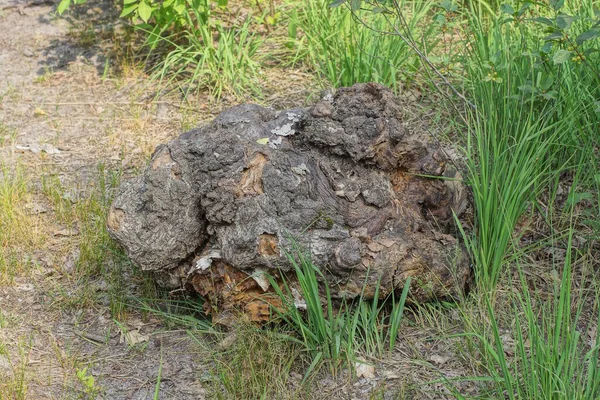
(255, 363)
(20, 230)
(13, 380)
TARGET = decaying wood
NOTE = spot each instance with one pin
(369, 199)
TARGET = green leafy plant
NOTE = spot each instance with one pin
(188, 48)
(65, 4)
(88, 382)
(171, 16)
(196, 50)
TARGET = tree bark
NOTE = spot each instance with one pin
(371, 201)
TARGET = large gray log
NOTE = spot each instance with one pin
(345, 178)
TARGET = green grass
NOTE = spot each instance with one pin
(509, 156)
(336, 334)
(533, 127)
(531, 130)
(345, 52)
(257, 364)
(97, 257)
(203, 50)
(20, 231)
(226, 65)
(158, 378)
(7, 134)
(528, 132)
(539, 347)
(61, 199)
(14, 380)
(98, 254)
(518, 141)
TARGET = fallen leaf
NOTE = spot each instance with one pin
(299, 301)
(6, 368)
(364, 370)
(295, 376)
(36, 149)
(391, 375)
(260, 277)
(35, 208)
(133, 337)
(71, 260)
(49, 149)
(32, 148)
(438, 359)
(593, 334)
(228, 341)
(25, 287)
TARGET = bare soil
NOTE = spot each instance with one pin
(52, 92)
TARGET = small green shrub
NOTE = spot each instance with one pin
(188, 47)
(87, 381)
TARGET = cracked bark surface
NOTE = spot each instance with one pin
(371, 200)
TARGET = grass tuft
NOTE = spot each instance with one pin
(208, 57)
(13, 379)
(336, 334)
(256, 363)
(345, 52)
(19, 230)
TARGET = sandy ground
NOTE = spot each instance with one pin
(52, 95)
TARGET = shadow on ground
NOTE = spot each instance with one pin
(95, 34)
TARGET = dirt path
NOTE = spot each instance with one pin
(55, 96)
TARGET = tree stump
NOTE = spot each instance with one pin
(371, 201)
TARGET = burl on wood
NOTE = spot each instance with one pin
(371, 200)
